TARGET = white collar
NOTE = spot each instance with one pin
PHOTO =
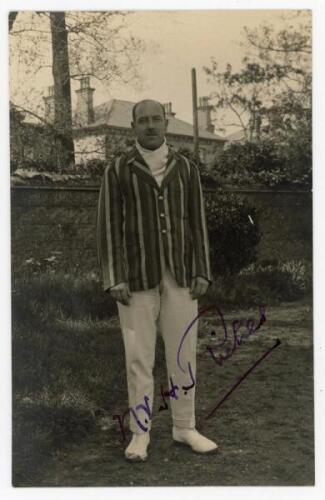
(163, 149)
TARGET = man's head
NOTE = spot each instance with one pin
(149, 123)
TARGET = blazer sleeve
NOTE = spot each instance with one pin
(110, 223)
(200, 239)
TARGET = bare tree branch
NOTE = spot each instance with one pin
(306, 50)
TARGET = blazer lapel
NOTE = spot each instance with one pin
(171, 168)
(140, 167)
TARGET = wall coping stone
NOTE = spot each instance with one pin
(207, 189)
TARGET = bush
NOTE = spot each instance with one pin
(95, 168)
(89, 171)
(233, 233)
(290, 280)
(262, 283)
(264, 162)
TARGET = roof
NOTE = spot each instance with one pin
(118, 113)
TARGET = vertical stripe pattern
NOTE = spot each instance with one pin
(110, 237)
(199, 229)
(169, 234)
(141, 225)
(140, 233)
(182, 230)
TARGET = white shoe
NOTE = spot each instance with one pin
(137, 448)
(194, 439)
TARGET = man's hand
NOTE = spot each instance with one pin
(121, 293)
(199, 287)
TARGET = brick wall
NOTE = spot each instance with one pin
(49, 221)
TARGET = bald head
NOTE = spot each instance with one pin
(149, 123)
(144, 101)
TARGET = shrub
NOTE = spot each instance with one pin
(93, 168)
(269, 282)
(88, 171)
(232, 225)
(264, 162)
(233, 233)
(288, 280)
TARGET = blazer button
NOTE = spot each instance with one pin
(160, 197)
(162, 215)
(164, 231)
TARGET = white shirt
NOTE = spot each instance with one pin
(156, 159)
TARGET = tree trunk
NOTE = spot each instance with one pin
(12, 18)
(62, 91)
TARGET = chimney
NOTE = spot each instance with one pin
(168, 110)
(49, 102)
(85, 111)
(204, 114)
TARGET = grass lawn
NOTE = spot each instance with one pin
(69, 380)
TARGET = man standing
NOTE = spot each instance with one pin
(154, 255)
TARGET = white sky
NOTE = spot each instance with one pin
(176, 41)
(189, 39)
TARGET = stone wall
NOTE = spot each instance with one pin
(58, 222)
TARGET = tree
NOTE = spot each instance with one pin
(271, 92)
(270, 98)
(91, 43)
(288, 53)
(62, 90)
(242, 93)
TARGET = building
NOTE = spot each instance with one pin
(100, 130)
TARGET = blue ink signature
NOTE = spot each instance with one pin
(236, 325)
(240, 380)
(237, 339)
(172, 392)
(145, 407)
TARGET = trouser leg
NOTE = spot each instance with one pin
(177, 311)
(138, 324)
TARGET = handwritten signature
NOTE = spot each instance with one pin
(237, 339)
(171, 393)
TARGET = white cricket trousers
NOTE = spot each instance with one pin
(174, 309)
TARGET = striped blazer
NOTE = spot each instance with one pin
(141, 226)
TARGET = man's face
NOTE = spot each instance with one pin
(150, 125)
